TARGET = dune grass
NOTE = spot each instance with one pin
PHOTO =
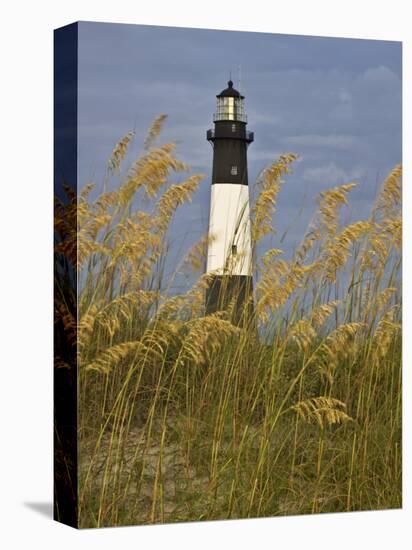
(185, 416)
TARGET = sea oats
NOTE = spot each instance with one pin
(119, 152)
(154, 131)
(269, 185)
(213, 419)
(325, 411)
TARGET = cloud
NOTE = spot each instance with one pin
(344, 95)
(261, 118)
(332, 141)
(331, 174)
(380, 75)
(268, 156)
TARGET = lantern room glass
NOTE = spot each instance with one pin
(230, 108)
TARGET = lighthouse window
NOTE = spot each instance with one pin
(233, 171)
(233, 127)
(234, 249)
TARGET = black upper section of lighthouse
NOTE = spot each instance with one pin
(230, 138)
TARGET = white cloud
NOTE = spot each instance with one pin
(342, 113)
(269, 155)
(331, 174)
(333, 141)
(344, 95)
(264, 117)
(380, 75)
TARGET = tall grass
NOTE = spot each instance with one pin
(186, 416)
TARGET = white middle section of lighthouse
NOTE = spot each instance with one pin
(230, 249)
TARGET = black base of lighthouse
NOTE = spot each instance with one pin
(231, 291)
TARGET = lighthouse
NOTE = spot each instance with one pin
(229, 257)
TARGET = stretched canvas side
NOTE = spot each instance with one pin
(65, 276)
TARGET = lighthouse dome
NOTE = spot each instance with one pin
(230, 91)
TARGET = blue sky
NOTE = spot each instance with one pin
(335, 102)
